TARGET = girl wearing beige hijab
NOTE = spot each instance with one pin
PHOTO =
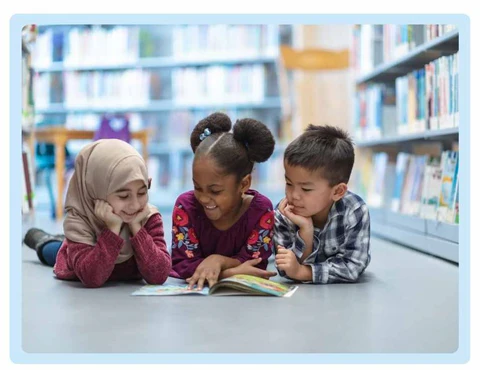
(111, 232)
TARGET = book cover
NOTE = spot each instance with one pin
(446, 203)
(431, 189)
(235, 285)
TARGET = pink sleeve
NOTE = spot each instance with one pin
(260, 241)
(151, 255)
(93, 265)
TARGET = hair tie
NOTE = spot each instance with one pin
(205, 133)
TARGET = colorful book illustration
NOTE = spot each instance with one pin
(235, 285)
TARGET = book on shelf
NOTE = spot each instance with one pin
(424, 99)
(403, 160)
(235, 285)
(421, 184)
(446, 201)
(431, 191)
(374, 45)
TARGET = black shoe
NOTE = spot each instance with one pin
(37, 238)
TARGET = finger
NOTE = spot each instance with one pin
(212, 281)
(200, 282)
(289, 211)
(254, 262)
(192, 281)
(282, 251)
(282, 205)
(280, 247)
(268, 274)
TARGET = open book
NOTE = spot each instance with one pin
(234, 285)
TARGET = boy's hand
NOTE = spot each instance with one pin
(287, 261)
(287, 210)
(104, 212)
(209, 269)
(248, 268)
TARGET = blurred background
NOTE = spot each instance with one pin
(393, 87)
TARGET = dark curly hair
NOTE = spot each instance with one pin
(326, 148)
(234, 152)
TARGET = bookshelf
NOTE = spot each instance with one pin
(165, 78)
(406, 130)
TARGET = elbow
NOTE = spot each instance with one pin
(93, 283)
(92, 279)
(157, 278)
(159, 275)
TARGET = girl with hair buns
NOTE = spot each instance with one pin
(222, 227)
(111, 232)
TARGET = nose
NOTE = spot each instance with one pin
(134, 204)
(295, 195)
(203, 199)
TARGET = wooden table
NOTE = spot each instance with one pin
(59, 136)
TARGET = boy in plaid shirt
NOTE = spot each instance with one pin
(322, 230)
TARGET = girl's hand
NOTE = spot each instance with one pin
(135, 224)
(248, 268)
(209, 269)
(301, 221)
(104, 212)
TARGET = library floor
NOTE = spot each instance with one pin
(406, 302)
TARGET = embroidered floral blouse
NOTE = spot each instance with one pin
(194, 237)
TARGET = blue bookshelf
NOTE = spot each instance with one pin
(414, 59)
(180, 64)
(162, 106)
(430, 236)
(160, 62)
(440, 134)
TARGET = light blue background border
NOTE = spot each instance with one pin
(17, 354)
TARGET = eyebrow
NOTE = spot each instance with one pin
(209, 186)
(124, 189)
(309, 183)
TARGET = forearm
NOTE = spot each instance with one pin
(153, 260)
(304, 273)
(306, 233)
(227, 262)
(93, 265)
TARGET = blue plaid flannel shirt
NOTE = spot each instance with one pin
(341, 249)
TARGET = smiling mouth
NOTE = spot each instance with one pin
(130, 214)
(210, 207)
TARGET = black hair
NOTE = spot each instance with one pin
(234, 152)
(325, 148)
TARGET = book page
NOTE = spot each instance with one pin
(169, 290)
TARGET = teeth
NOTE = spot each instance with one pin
(212, 207)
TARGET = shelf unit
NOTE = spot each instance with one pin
(430, 236)
(162, 53)
(160, 106)
(414, 59)
(440, 134)
(433, 237)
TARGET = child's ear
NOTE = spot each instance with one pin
(339, 191)
(245, 183)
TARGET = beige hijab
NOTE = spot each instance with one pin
(101, 168)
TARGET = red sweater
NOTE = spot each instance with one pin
(93, 266)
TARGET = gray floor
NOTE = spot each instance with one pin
(406, 302)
